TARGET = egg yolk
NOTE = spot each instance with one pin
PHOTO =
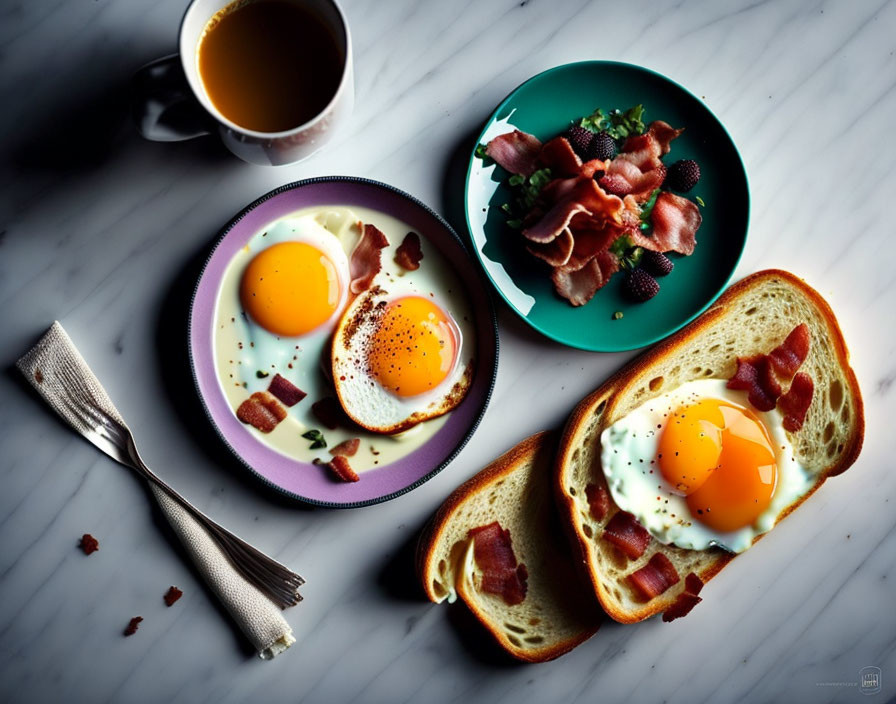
(290, 288)
(719, 455)
(414, 348)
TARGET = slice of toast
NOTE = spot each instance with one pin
(558, 612)
(753, 316)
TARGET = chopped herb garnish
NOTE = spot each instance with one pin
(261, 374)
(620, 246)
(617, 124)
(617, 315)
(700, 202)
(317, 439)
(515, 223)
(480, 151)
(526, 191)
(647, 209)
(516, 180)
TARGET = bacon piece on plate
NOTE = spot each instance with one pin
(346, 448)
(559, 156)
(591, 238)
(578, 285)
(756, 376)
(409, 254)
(557, 251)
(598, 500)
(585, 197)
(675, 223)
(516, 151)
(787, 357)
(663, 133)
(655, 577)
(795, 403)
(365, 261)
(624, 177)
(342, 469)
(285, 391)
(627, 534)
(262, 411)
(493, 553)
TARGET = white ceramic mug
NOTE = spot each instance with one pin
(171, 104)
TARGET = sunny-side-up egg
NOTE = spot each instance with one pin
(699, 467)
(280, 301)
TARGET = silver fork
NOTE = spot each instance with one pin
(276, 581)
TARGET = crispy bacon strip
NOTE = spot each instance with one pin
(584, 197)
(366, 261)
(559, 156)
(342, 469)
(627, 534)
(655, 577)
(626, 178)
(493, 552)
(787, 357)
(556, 252)
(795, 403)
(346, 448)
(262, 411)
(675, 223)
(687, 600)
(598, 500)
(756, 376)
(516, 151)
(285, 391)
(409, 254)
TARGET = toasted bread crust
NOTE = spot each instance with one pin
(611, 391)
(434, 533)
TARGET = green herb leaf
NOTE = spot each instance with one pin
(480, 152)
(316, 438)
(700, 202)
(516, 180)
(260, 374)
(620, 246)
(595, 122)
(647, 208)
(617, 315)
(515, 224)
(616, 123)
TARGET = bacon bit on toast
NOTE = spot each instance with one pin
(627, 534)
(172, 595)
(598, 501)
(687, 600)
(756, 376)
(655, 577)
(262, 411)
(787, 357)
(89, 544)
(342, 469)
(493, 553)
(409, 254)
(347, 448)
(795, 403)
(133, 624)
(366, 259)
(288, 393)
(329, 412)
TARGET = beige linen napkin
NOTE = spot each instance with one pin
(55, 368)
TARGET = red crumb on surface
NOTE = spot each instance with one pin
(172, 595)
(347, 448)
(342, 469)
(283, 389)
(262, 411)
(409, 254)
(133, 625)
(89, 544)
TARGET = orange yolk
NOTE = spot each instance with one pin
(719, 455)
(290, 288)
(414, 347)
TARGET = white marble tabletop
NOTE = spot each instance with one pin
(105, 232)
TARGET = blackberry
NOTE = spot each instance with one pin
(602, 147)
(683, 175)
(656, 263)
(640, 286)
(580, 139)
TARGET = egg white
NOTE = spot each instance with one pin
(629, 449)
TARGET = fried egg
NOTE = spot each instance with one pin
(699, 467)
(399, 356)
(280, 300)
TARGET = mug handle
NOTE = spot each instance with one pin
(163, 105)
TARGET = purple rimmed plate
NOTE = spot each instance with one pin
(301, 480)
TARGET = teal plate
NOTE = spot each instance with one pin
(545, 106)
